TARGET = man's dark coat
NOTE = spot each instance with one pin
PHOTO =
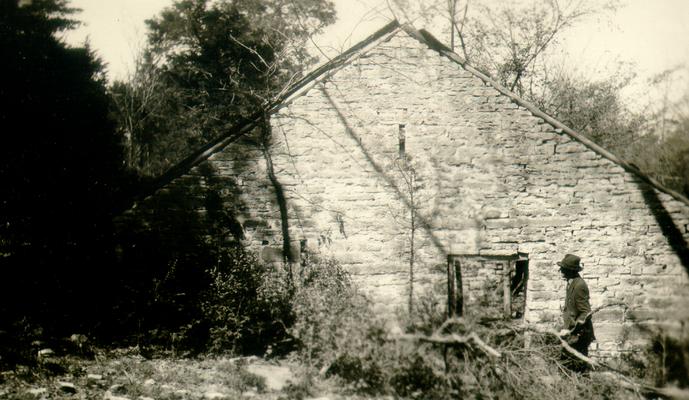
(578, 309)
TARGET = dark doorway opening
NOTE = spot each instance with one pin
(490, 286)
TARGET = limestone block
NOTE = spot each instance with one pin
(607, 332)
(608, 283)
(548, 317)
(654, 269)
(610, 315)
(545, 296)
(551, 305)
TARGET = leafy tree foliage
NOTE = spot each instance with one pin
(60, 166)
(208, 64)
(594, 108)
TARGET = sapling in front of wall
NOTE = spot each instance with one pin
(409, 186)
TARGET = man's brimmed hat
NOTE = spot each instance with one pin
(570, 262)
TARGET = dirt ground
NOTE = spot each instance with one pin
(125, 375)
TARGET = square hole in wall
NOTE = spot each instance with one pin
(488, 286)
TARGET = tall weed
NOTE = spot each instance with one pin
(342, 339)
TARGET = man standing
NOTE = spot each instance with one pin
(576, 314)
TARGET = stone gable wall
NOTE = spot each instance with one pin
(490, 178)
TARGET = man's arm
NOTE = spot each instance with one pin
(581, 304)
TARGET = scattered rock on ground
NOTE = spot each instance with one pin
(214, 395)
(208, 380)
(67, 387)
(276, 376)
(94, 377)
(37, 391)
(45, 353)
(117, 389)
(109, 396)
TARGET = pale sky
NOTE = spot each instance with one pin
(653, 35)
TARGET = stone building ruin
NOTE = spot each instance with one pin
(398, 149)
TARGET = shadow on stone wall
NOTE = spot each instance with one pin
(422, 222)
(673, 234)
(165, 249)
(287, 254)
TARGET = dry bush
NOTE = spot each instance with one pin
(343, 340)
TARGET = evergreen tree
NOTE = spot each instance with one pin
(61, 169)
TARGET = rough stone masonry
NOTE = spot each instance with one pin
(402, 150)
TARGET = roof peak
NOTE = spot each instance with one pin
(433, 43)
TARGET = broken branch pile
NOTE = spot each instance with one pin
(464, 337)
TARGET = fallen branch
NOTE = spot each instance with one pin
(448, 322)
(629, 383)
(472, 340)
(590, 362)
(487, 349)
(436, 339)
(453, 339)
(595, 310)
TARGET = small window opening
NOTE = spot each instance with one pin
(401, 138)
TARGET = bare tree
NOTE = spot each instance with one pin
(410, 186)
(505, 39)
(664, 150)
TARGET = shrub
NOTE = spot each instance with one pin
(230, 302)
(664, 361)
(415, 377)
(363, 373)
(673, 354)
(336, 329)
(243, 311)
(325, 305)
(429, 312)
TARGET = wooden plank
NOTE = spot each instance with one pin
(506, 290)
(451, 289)
(459, 291)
